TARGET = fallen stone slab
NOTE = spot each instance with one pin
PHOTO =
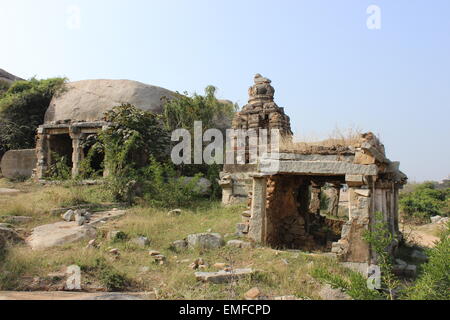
(63, 295)
(223, 276)
(61, 233)
(6, 191)
(239, 244)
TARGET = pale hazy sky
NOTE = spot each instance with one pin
(328, 67)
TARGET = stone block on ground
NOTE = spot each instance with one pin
(223, 276)
(205, 240)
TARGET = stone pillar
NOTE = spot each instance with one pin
(227, 189)
(316, 190)
(334, 201)
(42, 153)
(77, 151)
(352, 247)
(257, 229)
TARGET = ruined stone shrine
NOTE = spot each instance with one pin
(285, 204)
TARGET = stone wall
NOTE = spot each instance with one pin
(18, 163)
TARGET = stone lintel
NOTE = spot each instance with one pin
(318, 168)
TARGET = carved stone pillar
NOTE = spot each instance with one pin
(257, 230)
(77, 152)
(334, 199)
(316, 190)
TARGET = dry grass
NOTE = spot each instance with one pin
(338, 140)
(173, 280)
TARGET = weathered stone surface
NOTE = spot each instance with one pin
(61, 233)
(328, 293)
(419, 256)
(9, 235)
(179, 245)
(8, 77)
(174, 213)
(18, 163)
(436, 219)
(88, 100)
(239, 244)
(69, 216)
(319, 167)
(62, 295)
(141, 241)
(6, 191)
(205, 240)
(252, 294)
(223, 276)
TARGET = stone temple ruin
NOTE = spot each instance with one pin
(285, 205)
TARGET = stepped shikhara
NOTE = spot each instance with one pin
(262, 112)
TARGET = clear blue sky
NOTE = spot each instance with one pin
(328, 68)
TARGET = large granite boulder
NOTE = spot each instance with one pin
(8, 77)
(88, 100)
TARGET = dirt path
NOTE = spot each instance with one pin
(423, 236)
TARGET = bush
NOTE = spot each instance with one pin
(165, 188)
(425, 201)
(434, 280)
(355, 285)
(380, 239)
(22, 110)
(132, 137)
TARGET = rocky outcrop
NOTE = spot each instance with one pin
(88, 100)
(8, 77)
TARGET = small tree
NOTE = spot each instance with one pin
(22, 110)
(380, 239)
(132, 137)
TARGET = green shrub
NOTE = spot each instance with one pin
(22, 110)
(132, 137)
(354, 284)
(59, 169)
(425, 201)
(163, 187)
(379, 238)
(434, 280)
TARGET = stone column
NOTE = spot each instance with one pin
(227, 189)
(77, 151)
(334, 201)
(316, 190)
(42, 150)
(257, 230)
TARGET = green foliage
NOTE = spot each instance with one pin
(380, 239)
(4, 86)
(426, 201)
(183, 111)
(22, 110)
(354, 284)
(165, 188)
(132, 137)
(324, 201)
(112, 279)
(59, 170)
(434, 280)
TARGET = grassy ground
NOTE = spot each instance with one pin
(280, 272)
